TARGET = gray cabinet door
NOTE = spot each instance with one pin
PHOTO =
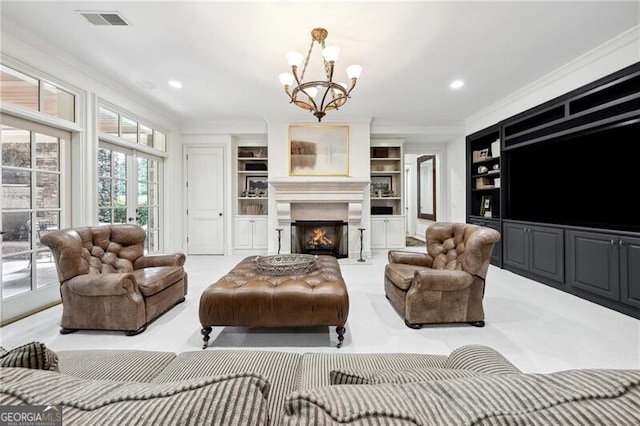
(630, 270)
(514, 245)
(593, 263)
(546, 252)
(536, 249)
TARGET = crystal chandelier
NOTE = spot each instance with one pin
(322, 95)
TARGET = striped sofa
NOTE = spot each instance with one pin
(473, 385)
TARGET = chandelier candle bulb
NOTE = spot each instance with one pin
(354, 71)
(331, 95)
(331, 53)
(294, 58)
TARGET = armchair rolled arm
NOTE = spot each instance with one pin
(113, 284)
(441, 280)
(149, 261)
(410, 258)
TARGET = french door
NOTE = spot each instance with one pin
(34, 201)
(129, 190)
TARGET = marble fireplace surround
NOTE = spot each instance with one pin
(320, 198)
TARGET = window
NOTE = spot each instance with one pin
(112, 123)
(28, 92)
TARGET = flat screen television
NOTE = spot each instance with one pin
(590, 179)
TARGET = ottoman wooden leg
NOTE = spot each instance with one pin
(206, 331)
(340, 331)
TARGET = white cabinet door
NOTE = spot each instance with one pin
(387, 232)
(396, 234)
(250, 233)
(378, 233)
(260, 233)
(243, 233)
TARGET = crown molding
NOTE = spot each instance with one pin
(567, 75)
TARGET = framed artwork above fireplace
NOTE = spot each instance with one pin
(318, 150)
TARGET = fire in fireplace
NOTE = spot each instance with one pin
(320, 237)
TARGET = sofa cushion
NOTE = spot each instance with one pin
(235, 399)
(575, 397)
(112, 364)
(279, 368)
(155, 279)
(351, 376)
(481, 359)
(33, 355)
(315, 368)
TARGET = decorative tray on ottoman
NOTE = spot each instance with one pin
(286, 264)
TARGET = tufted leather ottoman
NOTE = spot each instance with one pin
(246, 298)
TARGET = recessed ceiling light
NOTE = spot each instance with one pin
(175, 84)
(456, 84)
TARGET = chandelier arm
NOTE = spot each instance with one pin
(306, 61)
(300, 88)
(353, 84)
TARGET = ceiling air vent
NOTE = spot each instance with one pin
(104, 18)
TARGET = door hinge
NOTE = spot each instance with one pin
(187, 239)
(187, 212)
(187, 184)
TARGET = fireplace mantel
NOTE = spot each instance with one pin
(341, 198)
(319, 189)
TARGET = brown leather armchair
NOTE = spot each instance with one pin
(106, 281)
(445, 284)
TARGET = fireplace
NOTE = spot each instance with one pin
(320, 237)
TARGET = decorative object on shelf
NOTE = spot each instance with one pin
(381, 186)
(258, 166)
(286, 264)
(482, 169)
(380, 152)
(253, 209)
(496, 167)
(495, 148)
(485, 206)
(279, 238)
(257, 186)
(483, 183)
(318, 150)
(361, 259)
(331, 95)
(496, 183)
(480, 155)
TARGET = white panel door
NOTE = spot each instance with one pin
(205, 200)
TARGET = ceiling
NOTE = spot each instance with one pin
(228, 55)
